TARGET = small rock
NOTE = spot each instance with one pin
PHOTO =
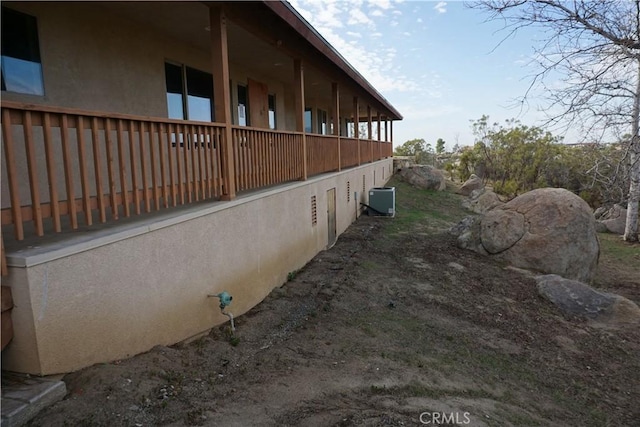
(456, 266)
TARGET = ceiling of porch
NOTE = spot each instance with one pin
(189, 22)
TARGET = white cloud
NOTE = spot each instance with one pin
(333, 18)
(358, 17)
(381, 4)
(441, 7)
(407, 33)
(419, 20)
(431, 112)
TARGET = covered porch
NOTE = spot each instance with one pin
(158, 153)
(72, 161)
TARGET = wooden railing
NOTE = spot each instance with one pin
(264, 157)
(366, 155)
(63, 169)
(348, 152)
(322, 154)
(85, 167)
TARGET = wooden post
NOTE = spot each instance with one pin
(369, 132)
(298, 83)
(222, 95)
(386, 128)
(335, 105)
(378, 120)
(356, 126)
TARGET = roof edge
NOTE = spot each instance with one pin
(286, 11)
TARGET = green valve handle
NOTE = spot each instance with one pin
(225, 299)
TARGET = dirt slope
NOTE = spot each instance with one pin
(393, 322)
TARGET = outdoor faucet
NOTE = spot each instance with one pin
(225, 300)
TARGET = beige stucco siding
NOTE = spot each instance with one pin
(97, 60)
(90, 304)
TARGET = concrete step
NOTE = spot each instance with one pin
(23, 396)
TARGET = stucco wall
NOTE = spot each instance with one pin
(85, 304)
(95, 59)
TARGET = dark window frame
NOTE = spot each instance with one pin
(193, 86)
(21, 69)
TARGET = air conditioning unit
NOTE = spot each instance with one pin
(382, 201)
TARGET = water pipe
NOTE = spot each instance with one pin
(225, 300)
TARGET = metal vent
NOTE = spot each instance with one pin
(348, 191)
(314, 211)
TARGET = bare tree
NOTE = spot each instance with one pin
(594, 48)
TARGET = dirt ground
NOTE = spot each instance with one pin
(393, 326)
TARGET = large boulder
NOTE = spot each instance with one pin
(549, 230)
(424, 176)
(481, 201)
(577, 299)
(473, 183)
(402, 162)
(613, 220)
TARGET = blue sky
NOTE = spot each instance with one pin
(439, 63)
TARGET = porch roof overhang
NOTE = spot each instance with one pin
(289, 32)
(306, 30)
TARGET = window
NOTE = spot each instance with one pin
(272, 111)
(243, 116)
(351, 126)
(21, 66)
(189, 93)
(322, 122)
(308, 124)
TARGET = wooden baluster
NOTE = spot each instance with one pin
(236, 158)
(97, 169)
(218, 143)
(68, 172)
(84, 177)
(172, 150)
(33, 173)
(134, 168)
(124, 191)
(193, 138)
(113, 194)
(179, 145)
(51, 173)
(143, 167)
(260, 155)
(202, 143)
(208, 146)
(163, 164)
(154, 167)
(12, 175)
(187, 173)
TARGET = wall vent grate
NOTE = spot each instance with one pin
(314, 211)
